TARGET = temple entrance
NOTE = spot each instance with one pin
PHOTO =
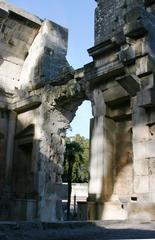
(77, 146)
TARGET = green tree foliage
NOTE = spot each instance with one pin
(78, 147)
(75, 164)
(72, 154)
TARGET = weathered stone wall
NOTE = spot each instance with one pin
(17, 35)
(32, 52)
(46, 60)
(121, 80)
(110, 18)
(40, 98)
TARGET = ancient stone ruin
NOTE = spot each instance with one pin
(39, 96)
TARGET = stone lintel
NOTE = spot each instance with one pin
(123, 111)
(20, 12)
(119, 118)
(130, 83)
(97, 76)
(23, 20)
(109, 45)
(102, 48)
(26, 104)
(118, 101)
(134, 30)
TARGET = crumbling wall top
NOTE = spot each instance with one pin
(9, 7)
(32, 51)
(110, 17)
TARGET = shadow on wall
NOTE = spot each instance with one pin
(33, 164)
(116, 171)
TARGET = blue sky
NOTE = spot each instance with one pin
(78, 17)
(81, 122)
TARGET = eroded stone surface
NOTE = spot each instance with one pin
(40, 93)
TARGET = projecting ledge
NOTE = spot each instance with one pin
(26, 104)
(135, 30)
(97, 75)
(131, 83)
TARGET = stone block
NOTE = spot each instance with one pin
(143, 66)
(127, 55)
(119, 113)
(133, 14)
(139, 114)
(147, 82)
(139, 150)
(26, 104)
(151, 162)
(115, 93)
(141, 211)
(152, 197)
(31, 210)
(130, 83)
(123, 181)
(146, 98)
(113, 211)
(141, 184)
(103, 48)
(144, 197)
(141, 167)
(134, 29)
(46, 60)
(152, 183)
(140, 47)
(140, 132)
(150, 149)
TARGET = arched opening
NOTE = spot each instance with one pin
(77, 140)
(81, 122)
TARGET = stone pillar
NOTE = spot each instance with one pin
(101, 157)
(96, 157)
(10, 147)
